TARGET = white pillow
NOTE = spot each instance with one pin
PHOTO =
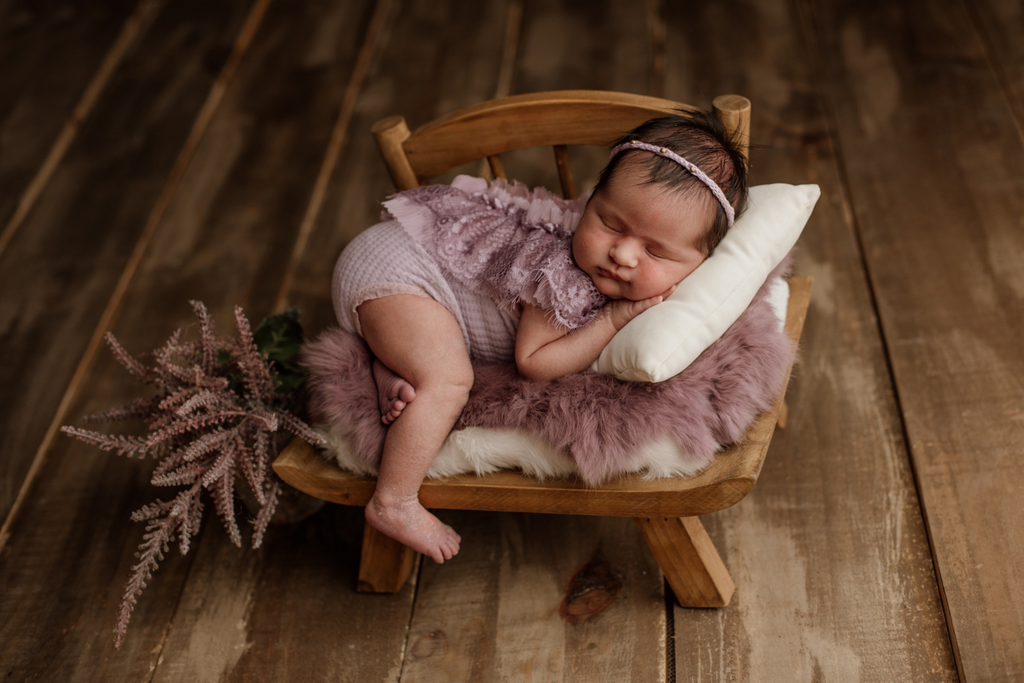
(662, 341)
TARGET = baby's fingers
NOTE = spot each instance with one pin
(638, 307)
(623, 310)
(654, 300)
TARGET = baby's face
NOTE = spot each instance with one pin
(636, 240)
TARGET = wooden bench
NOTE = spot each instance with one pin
(665, 510)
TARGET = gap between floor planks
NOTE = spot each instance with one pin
(110, 312)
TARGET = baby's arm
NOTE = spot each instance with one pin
(545, 350)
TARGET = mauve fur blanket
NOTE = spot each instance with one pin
(596, 419)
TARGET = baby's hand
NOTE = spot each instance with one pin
(621, 311)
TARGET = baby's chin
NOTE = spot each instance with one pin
(617, 289)
(609, 288)
(613, 289)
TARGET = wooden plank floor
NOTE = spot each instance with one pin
(152, 152)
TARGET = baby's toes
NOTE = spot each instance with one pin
(451, 546)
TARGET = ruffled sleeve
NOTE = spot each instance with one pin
(504, 240)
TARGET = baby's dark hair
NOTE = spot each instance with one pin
(700, 138)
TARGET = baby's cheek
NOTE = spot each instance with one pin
(648, 281)
(645, 273)
(587, 247)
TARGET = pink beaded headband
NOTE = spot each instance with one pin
(730, 214)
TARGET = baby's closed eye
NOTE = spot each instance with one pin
(611, 227)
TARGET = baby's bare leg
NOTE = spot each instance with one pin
(419, 340)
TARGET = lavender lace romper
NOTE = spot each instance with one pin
(478, 250)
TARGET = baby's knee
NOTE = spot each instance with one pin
(452, 385)
(459, 385)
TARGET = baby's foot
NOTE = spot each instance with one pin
(393, 392)
(408, 522)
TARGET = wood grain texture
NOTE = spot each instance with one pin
(565, 179)
(420, 79)
(688, 559)
(829, 551)
(404, 77)
(354, 200)
(238, 210)
(64, 261)
(382, 16)
(390, 132)
(568, 44)
(509, 491)
(563, 45)
(51, 52)
(904, 113)
(496, 167)
(291, 615)
(552, 118)
(566, 117)
(935, 159)
(384, 563)
(734, 113)
(507, 607)
(73, 544)
(1000, 24)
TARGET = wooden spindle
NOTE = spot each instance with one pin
(565, 171)
(734, 113)
(496, 166)
(390, 133)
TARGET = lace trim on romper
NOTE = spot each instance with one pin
(505, 241)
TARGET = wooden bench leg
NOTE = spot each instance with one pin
(688, 560)
(385, 564)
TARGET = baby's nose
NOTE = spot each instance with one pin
(624, 254)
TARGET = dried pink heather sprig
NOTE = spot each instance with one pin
(135, 410)
(130, 446)
(266, 512)
(213, 423)
(160, 533)
(208, 340)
